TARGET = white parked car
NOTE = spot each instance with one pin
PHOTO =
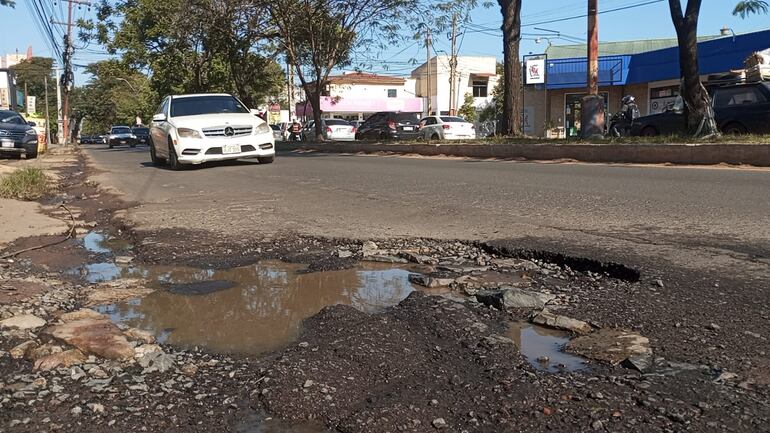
(192, 129)
(333, 130)
(446, 128)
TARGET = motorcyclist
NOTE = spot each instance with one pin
(296, 131)
(629, 108)
(622, 121)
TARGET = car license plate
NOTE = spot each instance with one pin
(6, 143)
(408, 128)
(122, 141)
(231, 148)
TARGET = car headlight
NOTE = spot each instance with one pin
(132, 136)
(112, 137)
(188, 133)
(263, 128)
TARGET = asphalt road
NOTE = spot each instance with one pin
(698, 218)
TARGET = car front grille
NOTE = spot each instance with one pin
(13, 135)
(219, 131)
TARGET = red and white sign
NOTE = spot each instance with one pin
(535, 71)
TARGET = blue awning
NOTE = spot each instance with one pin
(715, 56)
(570, 73)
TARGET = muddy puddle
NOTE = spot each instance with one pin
(251, 309)
(544, 348)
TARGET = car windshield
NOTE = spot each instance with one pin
(448, 119)
(407, 118)
(121, 130)
(337, 122)
(11, 117)
(141, 130)
(196, 105)
(275, 127)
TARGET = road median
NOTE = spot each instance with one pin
(630, 153)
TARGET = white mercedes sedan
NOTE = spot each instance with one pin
(193, 129)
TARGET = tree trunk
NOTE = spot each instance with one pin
(315, 101)
(510, 123)
(699, 114)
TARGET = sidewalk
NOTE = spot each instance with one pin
(26, 218)
(685, 154)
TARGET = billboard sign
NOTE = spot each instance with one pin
(535, 71)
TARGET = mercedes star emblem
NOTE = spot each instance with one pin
(229, 131)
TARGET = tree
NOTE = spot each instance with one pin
(494, 110)
(10, 3)
(317, 36)
(33, 72)
(194, 46)
(468, 109)
(114, 95)
(748, 7)
(699, 114)
(509, 122)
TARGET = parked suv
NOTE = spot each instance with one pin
(17, 135)
(739, 109)
(389, 125)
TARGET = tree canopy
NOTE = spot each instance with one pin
(113, 96)
(748, 7)
(189, 46)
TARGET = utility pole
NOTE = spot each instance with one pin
(290, 88)
(47, 116)
(67, 77)
(428, 43)
(26, 99)
(592, 108)
(453, 97)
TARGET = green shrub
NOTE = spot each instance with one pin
(25, 183)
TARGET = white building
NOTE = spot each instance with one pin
(476, 76)
(10, 60)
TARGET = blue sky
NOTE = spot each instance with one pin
(643, 22)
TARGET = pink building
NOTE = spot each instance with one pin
(356, 95)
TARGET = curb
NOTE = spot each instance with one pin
(685, 154)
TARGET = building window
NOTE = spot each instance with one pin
(479, 88)
(392, 93)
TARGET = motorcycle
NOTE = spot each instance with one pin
(620, 123)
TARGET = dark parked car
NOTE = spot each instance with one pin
(90, 139)
(17, 135)
(739, 109)
(389, 125)
(121, 135)
(142, 134)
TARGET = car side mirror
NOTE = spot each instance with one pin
(160, 117)
(31, 123)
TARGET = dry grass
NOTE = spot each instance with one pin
(26, 183)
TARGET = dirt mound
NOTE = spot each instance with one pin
(425, 359)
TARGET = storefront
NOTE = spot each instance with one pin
(647, 70)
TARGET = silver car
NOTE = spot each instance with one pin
(333, 130)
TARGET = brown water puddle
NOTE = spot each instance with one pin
(544, 348)
(251, 309)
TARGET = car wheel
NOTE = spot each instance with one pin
(110, 146)
(173, 162)
(31, 152)
(435, 137)
(735, 129)
(266, 159)
(649, 131)
(132, 145)
(154, 156)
